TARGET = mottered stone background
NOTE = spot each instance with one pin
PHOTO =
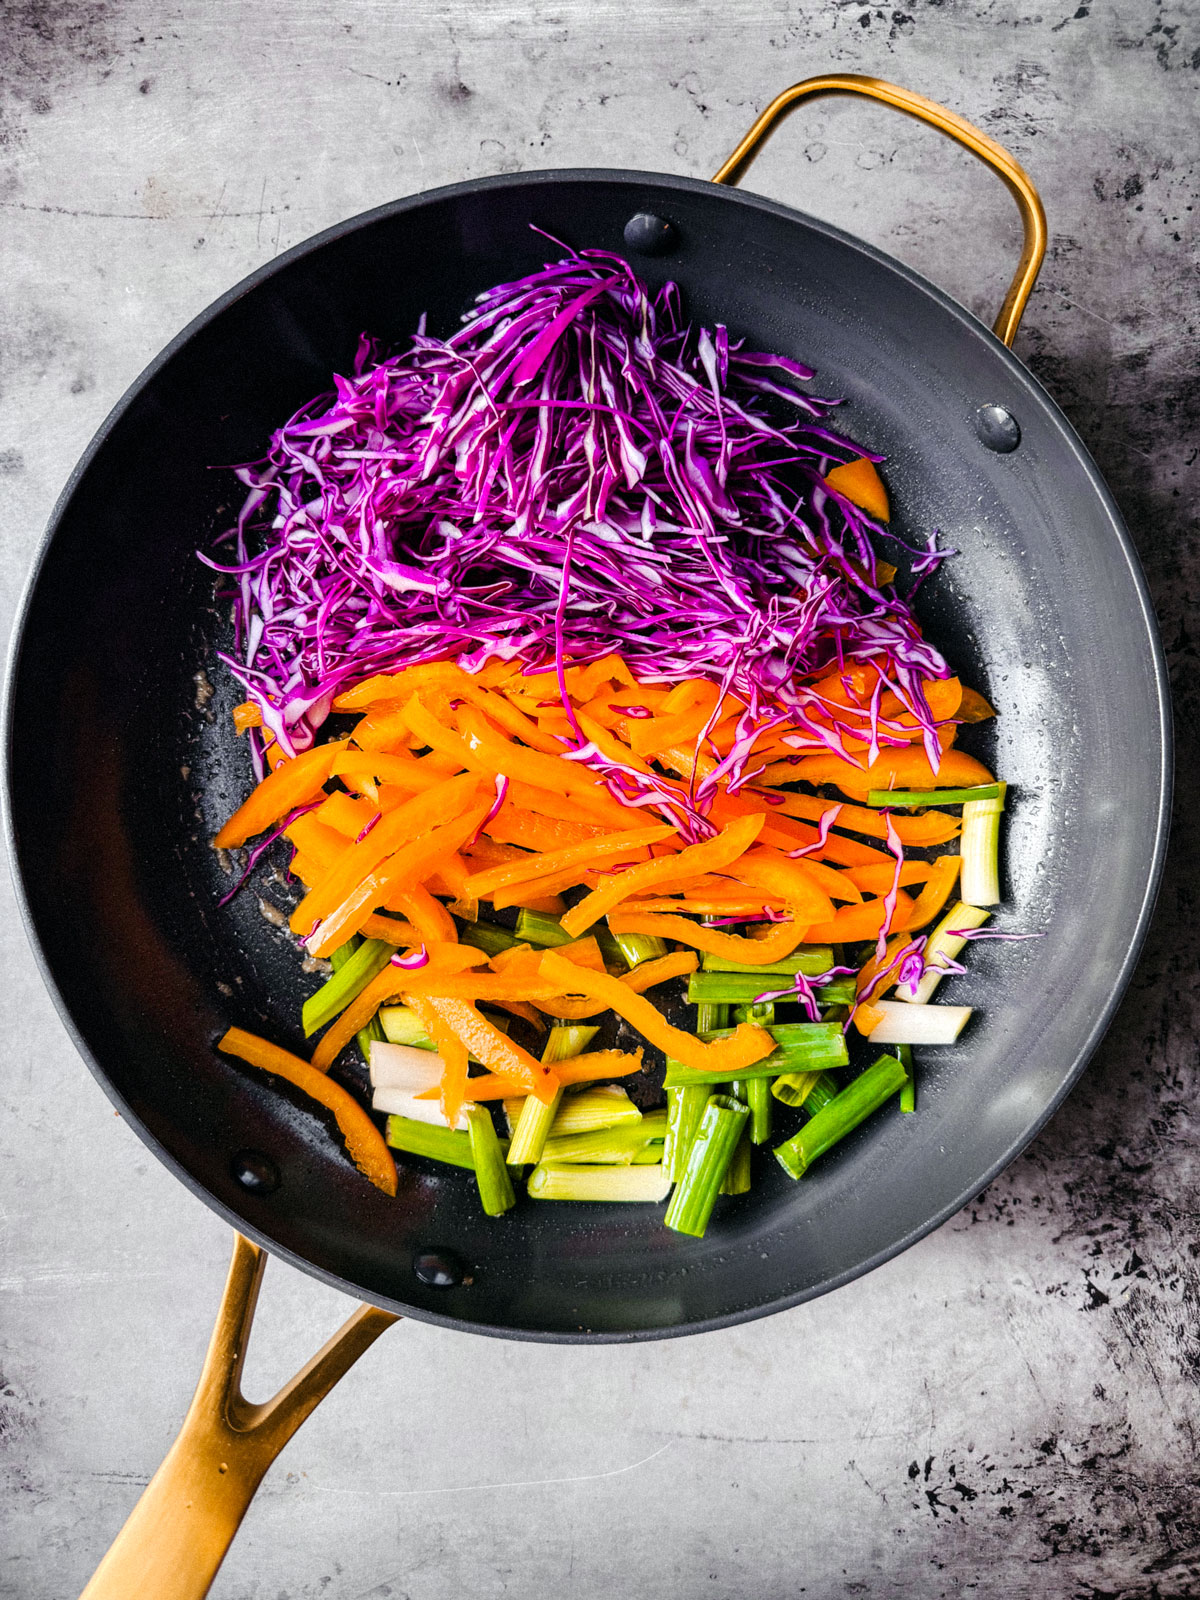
(1011, 1408)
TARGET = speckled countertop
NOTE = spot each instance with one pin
(1009, 1409)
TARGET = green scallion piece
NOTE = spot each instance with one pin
(540, 928)
(903, 799)
(760, 1011)
(536, 1118)
(812, 1090)
(810, 959)
(800, 1047)
(495, 1187)
(908, 1094)
(707, 1163)
(402, 1026)
(758, 1098)
(586, 1109)
(425, 1139)
(710, 1015)
(685, 1106)
(644, 1183)
(737, 1174)
(604, 1146)
(352, 973)
(727, 988)
(489, 937)
(638, 947)
(843, 1114)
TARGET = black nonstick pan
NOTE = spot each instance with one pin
(120, 768)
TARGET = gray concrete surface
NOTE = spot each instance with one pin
(1009, 1409)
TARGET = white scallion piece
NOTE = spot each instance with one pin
(404, 1103)
(979, 884)
(942, 942)
(587, 1109)
(916, 1024)
(551, 1182)
(401, 1066)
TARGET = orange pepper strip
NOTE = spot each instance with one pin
(247, 715)
(747, 1044)
(535, 898)
(522, 1009)
(383, 728)
(449, 800)
(867, 975)
(483, 750)
(935, 893)
(878, 880)
(446, 961)
(780, 940)
(308, 870)
(342, 813)
(405, 771)
(773, 871)
(580, 1069)
(867, 1017)
(454, 1054)
(609, 847)
(648, 973)
(594, 806)
(526, 828)
(583, 682)
(933, 827)
(524, 960)
(315, 841)
(432, 921)
(973, 707)
(896, 769)
(703, 904)
(493, 1048)
(680, 868)
(364, 1142)
(859, 482)
(391, 931)
(292, 784)
(858, 922)
(411, 864)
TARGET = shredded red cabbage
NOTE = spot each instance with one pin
(577, 470)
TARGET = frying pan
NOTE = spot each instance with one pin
(120, 769)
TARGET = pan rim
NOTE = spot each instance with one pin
(1025, 382)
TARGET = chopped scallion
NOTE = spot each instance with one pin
(536, 1117)
(495, 1187)
(903, 799)
(842, 1114)
(707, 1163)
(980, 881)
(645, 1183)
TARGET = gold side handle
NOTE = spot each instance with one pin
(1010, 173)
(177, 1534)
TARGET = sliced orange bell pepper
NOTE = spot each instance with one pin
(342, 813)
(315, 841)
(454, 1054)
(446, 961)
(747, 1044)
(493, 1048)
(247, 715)
(933, 827)
(392, 931)
(852, 923)
(896, 769)
(433, 922)
(450, 799)
(579, 1069)
(365, 1144)
(292, 784)
(694, 859)
(860, 482)
(974, 708)
(878, 880)
(935, 893)
(404, 772)
(780, 941)
(526, 828)
(772, 871)
(608, 847)
(412, 864)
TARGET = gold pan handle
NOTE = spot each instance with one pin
(1012, 175)
(177, 1534)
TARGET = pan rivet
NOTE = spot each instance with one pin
(439, 1269)
(255, 1172)
(997, 428)
(650, 235)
